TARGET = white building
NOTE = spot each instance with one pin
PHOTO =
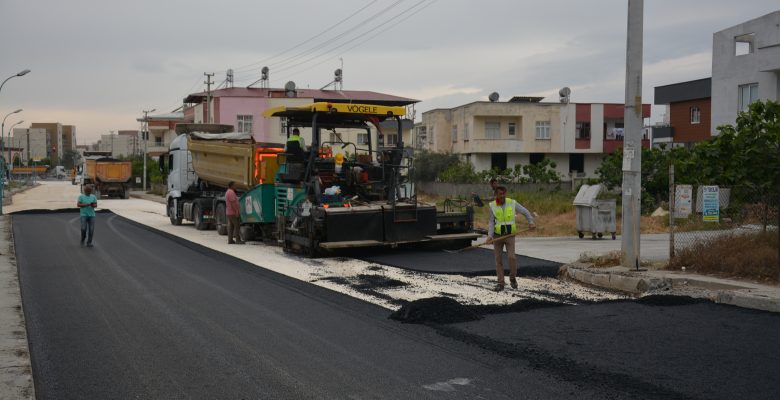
(34, 142)
(118, 145)
(745, 67)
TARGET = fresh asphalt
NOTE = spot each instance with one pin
(146, 315)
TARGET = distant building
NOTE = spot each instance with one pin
(134, 136)
(745, 67)
(68, 138)
(161, 132)
(33, 142)
(688, 110)
(54, 130)
(118, 145)
(525, 130)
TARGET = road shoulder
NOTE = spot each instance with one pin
(719, 290)
(16, 381)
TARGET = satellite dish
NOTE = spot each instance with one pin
(493, 97)
(564, 92)
(264, 70)
(338, 75)
(289, 86)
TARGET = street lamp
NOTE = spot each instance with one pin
(2, 143)
(2, 182)
(145, 134)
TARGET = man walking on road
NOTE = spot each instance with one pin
(233, 215)
(87, 202)
(502, 223)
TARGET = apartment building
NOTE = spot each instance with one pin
(243, 108)
(745, 67)
(33, 142)
(54, 130)
(688, 106)
(68, 138)
(525, 130)
(134, 137)
(118, 145)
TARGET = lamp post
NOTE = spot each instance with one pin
(2, 143)
(2, 181)
(145, 134)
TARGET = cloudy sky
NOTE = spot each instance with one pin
(97, 64)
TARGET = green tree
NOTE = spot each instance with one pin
(71, 158)
(429, 164)
(542, 172)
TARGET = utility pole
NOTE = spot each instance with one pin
(208, 94)
(632, 145)
(145, 134)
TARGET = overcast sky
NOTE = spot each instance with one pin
(98, 64)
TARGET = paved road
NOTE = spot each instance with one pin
(142, 315)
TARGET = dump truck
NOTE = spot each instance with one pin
(109, 176)
(310, 201)
(202, 160)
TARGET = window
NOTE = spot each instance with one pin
(492, 130)
(498, 161)
(576, 162)
(747, 94)
(583, 130)
(743, 44)
(695, 115)
(392, 139)
(244, 123)
(512, 127)
(454, 133)
(362, 138)
(466, 133)
(158, 141)
(543, 129)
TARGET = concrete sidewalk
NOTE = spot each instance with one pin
(15, 370)
(140, 194)
(655, 281)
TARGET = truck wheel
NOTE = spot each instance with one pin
(247, 233)
(126, 194)
(171, 212)
(221, 219)
(197, 216)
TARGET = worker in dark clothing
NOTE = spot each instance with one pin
(478, 201)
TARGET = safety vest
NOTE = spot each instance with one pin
(294, 138)
(504, 216)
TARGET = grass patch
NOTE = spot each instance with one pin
(747, 255)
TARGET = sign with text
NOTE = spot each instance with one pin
(683, 202)
(711, 203)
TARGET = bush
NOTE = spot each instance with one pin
(752, 255)
(428, 165)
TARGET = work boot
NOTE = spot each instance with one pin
(513, 283)
(499, 287)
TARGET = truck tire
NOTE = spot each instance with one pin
(221, 218)
(247, 233)
(126, 193)
(197, 217)
(171, 213)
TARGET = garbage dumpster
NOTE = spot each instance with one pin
(594, 216)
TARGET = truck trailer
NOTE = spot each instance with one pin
(109, 176)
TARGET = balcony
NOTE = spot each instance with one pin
(582, 144)
(489, 146)
(663, 132)
(610, 145)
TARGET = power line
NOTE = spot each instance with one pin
(328, 41)
(360, 42)
(307, 40)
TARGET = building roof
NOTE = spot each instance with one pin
(174, 116)
(336, 96)
(683, 91)
(525, 99)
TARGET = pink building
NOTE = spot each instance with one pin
(243, 107)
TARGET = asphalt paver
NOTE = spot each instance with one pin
(144, 315)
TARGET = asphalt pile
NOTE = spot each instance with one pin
(434, 310)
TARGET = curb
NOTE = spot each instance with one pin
(635, 284)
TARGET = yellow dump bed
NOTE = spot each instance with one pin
(108, 170)
(246, 163)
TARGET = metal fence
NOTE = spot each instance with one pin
(716, 221)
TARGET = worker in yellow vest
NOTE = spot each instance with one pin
(502, 223)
